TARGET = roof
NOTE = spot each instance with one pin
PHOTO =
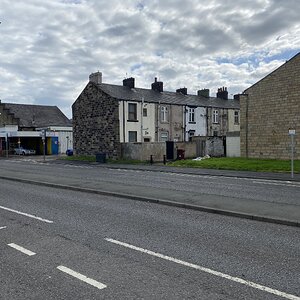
(38, 115)
(138, 94)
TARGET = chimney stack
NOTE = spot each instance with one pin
(236, 97)
(222, 93)
(157, 85)
(182, 91)
(203, 93)
(96, 77)
(129, 82)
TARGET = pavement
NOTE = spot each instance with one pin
(284, 212)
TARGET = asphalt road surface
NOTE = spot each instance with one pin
(60, 244)
(276, 199)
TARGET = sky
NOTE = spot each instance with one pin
(49, 48)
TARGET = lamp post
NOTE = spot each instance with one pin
(292, 133)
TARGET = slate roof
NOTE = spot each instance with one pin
(136, 94)
(38, 115)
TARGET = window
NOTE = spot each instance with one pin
(191, 134)
(236, 117)
(144, 112)
(191, 115)
(164, 136)
(132, 112)
(215, 116)
(132, 136)
(164, 114)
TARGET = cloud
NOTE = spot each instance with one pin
(48, 48)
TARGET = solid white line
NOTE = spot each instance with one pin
(83, 278)
(3, 227)
(21, 249)
(27, 215)
(207, 270)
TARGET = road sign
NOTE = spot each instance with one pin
(292, 132)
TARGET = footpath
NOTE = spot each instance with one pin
(286, 212)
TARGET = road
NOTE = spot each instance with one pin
(264, 198)
(61, 244)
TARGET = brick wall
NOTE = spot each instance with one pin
(96, 123)
(271, 108)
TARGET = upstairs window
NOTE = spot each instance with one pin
(191, 111)
(236, 117)
(132, 112)
(164, 114)
(215, 116)
(144, 112)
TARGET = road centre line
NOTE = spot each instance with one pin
(3, 227)
(207, 270)
(21, 249)
(26, 215)
(81, 277)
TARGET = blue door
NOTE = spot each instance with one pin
(54, 145)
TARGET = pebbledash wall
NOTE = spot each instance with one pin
(269, 109)
(96, 123)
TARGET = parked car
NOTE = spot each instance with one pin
(69, 152)
(24, 151)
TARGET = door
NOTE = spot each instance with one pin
(170, 149)
(54, 145)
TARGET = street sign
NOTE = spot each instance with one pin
(292, 132)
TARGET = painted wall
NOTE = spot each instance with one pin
(232, 126)
(144, 125)
(174, 125)
(199, 126)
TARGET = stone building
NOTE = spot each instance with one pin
(96, 121)
(106, 115)
(269, 109)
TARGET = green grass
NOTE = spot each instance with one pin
(240, 164)
(223, 163)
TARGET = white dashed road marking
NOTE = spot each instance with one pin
(21, 249)
(26, 215)
(3, 227)
(207, 270)
(81, 277)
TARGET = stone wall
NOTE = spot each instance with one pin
(96, 123)
(268, 110)
(142, 151)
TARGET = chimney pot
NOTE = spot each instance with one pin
(222, 93)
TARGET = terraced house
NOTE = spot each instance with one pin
(106, 115)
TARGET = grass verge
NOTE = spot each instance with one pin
(240, 164)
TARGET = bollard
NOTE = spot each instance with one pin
(165, 161)
(151, 159)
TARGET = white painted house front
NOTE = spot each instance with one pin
(196, 122)
(137, 121)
